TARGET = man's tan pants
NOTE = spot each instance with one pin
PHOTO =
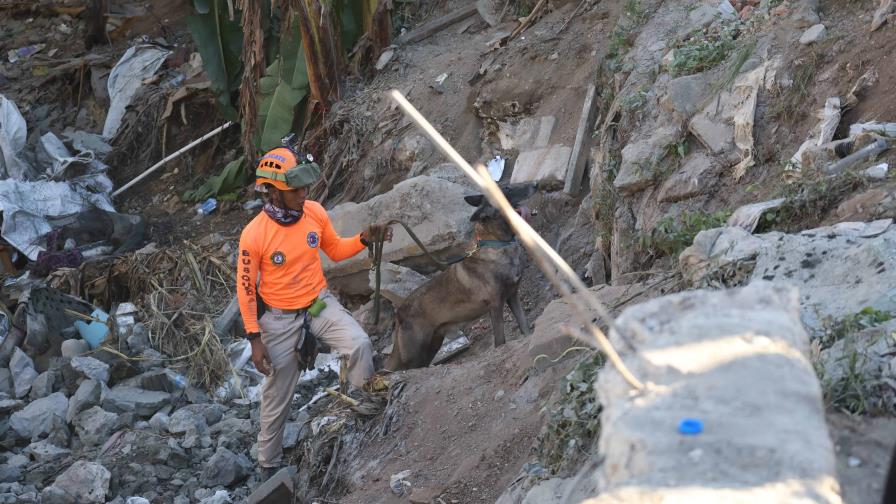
(280, 333)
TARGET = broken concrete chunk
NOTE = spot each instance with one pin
(142, 402)
(689, 180)
(747, 216)
(74, 347)
(45, 451)
(863, 360)
(95, 425)
(23, 374)
(396, 282)
(433, 208)
(529, 133)
(41, 417)
(225, 468)
(685, 95)
(814, 34)
(641, 159)
(87, 396)
(83, 482)
(279, 488)
(717, 355)
(91, 368)
(43, 385)
(6, 385)
(839, 269)
(548, 163)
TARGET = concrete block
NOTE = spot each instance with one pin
(278, 489)
(689, 180)
(739, 361)
(548, 163)
(528, 134)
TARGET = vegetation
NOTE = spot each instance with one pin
(809, 200)
(703, 50)
(788, 104)
(574, 420)
(852, 390)
(673, 234)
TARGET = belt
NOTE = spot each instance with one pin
(293, 311)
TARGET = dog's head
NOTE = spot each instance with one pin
(488, 219)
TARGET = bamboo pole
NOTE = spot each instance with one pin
(549, 261)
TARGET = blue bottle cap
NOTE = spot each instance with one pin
(690, 426)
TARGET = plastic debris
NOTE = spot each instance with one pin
(854, 461)
(878, 171)
(399, 484)
(137, 64)
(690, 426)
(207, 207)
(95, 332)
(13, 136)
(253, 204)
(23, 53)
(496, 168)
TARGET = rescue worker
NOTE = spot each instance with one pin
(279, 257)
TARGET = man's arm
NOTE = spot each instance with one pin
(336, 247)
(246, 278)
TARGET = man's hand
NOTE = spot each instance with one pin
(376, 232)
(261, 358)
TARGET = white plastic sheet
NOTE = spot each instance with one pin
(13, 135)
(137, 64)
(27, 205)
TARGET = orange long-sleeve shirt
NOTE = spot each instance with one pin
(287, 257)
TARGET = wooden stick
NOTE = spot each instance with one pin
(344, 398)
(576, 165)
(174, 155)
(436, 25)
(548, 260)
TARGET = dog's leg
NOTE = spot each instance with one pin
(497, 313)
(514, 303)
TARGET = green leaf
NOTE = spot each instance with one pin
(231, 179)
(283, 87)
(219, 41)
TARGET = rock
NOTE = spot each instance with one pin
(10, 474)
(136, 500)
(548, 163)
(700, 17)
(219, 497)
(88, 395)
(689, 180)
(23, 374)
(433, 208)
(641, 159)
(411, 151)
(143, 402)
(84, 482)
(838, 269)
(158, 380)
(41, 417)
(74, 347)
(814, 34)
(685, 95)
(43, 385)
(45, 451)
(805, 14)
(95, 425)
(91, 368)
(185, 420)
(291, 434)
(714, 126)
(6, 385)
(225, 468)
(707, 347)
(528, 134)
(547, 342)
(138, 341)
(396, 282)
(872, 204)
(159, 422)
(9, 405)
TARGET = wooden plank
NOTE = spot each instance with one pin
(436, 25)
(576, 167)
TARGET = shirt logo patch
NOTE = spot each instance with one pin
(278, 258)
(313, 239)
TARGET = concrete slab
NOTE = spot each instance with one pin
(277, 490)
(549, 163)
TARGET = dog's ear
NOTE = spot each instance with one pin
(517, 193)
(484, 213)
(474, 199)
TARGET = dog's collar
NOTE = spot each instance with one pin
(494, 243)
